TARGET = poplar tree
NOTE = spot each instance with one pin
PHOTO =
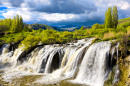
(111, 17)
(21, 23)
(115, 17)
(17, 23)
(13, 28)
(13, 25)
(108, 18)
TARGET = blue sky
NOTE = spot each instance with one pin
(83, 12)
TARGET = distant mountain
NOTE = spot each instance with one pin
(70, 27)
(66, 27)
(38, 26)
(58, 27)
(86, 27)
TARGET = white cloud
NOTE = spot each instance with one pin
(39, 17)
(124, 5)
(56, 16)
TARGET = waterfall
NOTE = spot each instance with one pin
(40, 59)
(117, 71)
(91, 71)
(48, 65)
(112, 56)
(73, 63)
(81, 61)
(5, 53)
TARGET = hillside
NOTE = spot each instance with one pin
(124, 20)
(38, 26)
(58, 28)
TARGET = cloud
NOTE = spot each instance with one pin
(39, 17)
(66, 6)
(16, 3)
(57, 11)
(53, 6)
(124, 5)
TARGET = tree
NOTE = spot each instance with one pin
(82, 28)
(13, 28)
(96, 26)
(3, 28)
(13, 25)
(115, 17)
(111, 17)
(108, 18)
(17, 23)
(20, 23)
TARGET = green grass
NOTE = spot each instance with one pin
(124, 20)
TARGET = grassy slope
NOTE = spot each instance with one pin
(37, 26)
(124, 20)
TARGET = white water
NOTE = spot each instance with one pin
(73, 63)
(10, 56)
(82, 60)
(92, 71)
(117, 71)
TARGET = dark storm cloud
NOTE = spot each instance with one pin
(13, 3)
(16, 3)
(121, 12)
(55, 6)
(64, 6)
(0, 3)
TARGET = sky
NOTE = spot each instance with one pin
(51, 12)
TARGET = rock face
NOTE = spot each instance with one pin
(82, 61)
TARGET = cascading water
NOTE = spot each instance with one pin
(73, 63)
(117, 71)
(82, 62)
(40, 59)
(91, 71)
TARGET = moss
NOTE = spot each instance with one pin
(95, 40)
(124, 73)
(110, 78)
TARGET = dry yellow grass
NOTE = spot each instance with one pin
(96, 36)
(128, 33)
(109, 35)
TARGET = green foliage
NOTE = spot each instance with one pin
(11, 25)
(124, 25)
(124, 72)
(97, 26)
(109, 81)
(115, 17)
(17, 37)
(111, 17)
(123, 45)
(124, 20)
(108, 18)
(97, 39)
(38, 26)
(25, 29)
(30, 41)
(3, 28)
